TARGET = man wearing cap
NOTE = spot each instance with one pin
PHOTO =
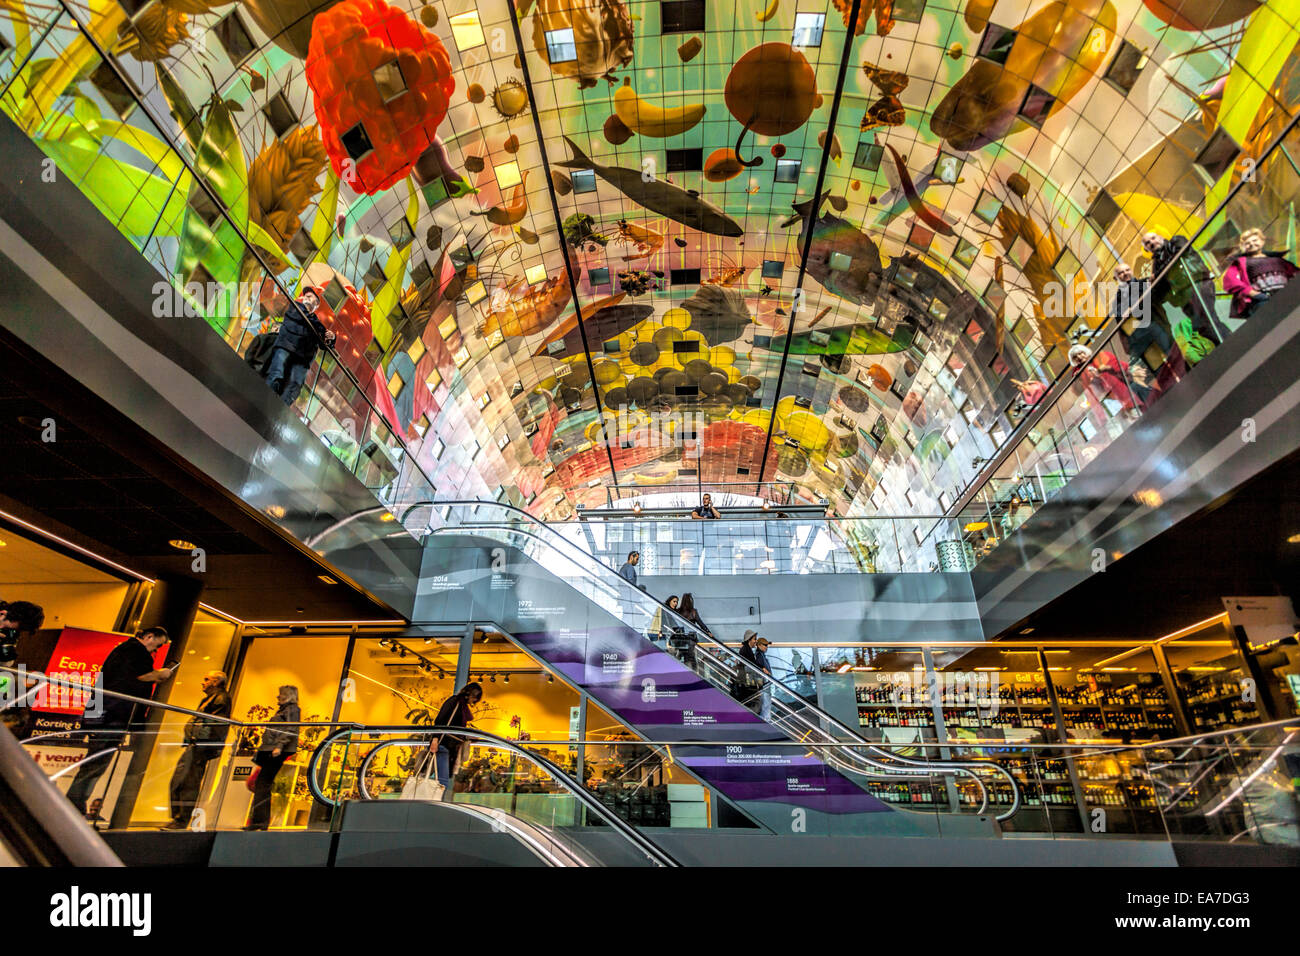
(203, 742)
(301, 335)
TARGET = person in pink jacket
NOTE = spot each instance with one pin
(1254, 274)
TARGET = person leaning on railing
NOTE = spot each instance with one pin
(1254, 274)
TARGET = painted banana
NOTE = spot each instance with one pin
(770, 12)
(649, 120)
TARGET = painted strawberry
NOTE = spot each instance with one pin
(381, 84)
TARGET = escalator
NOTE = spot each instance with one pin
(487, 562)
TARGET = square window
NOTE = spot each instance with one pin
(996, 44)
(811, 370)
(110, 86)
(374, 278)
(584, 181)
(356, 142)
(204, 206)
(484, 400)
(390, 81)
(422, 425)
(995, 296)
(841, 262)
(401, 233)
(280, 114)
(503, 441)
(948, 168)
(920, 236)
(416, 351)
(908, 11)
(1021, 252)
(685, 160)
(374, 352)
(686, 345)
(905, 276)
(988, 206)
(1037, 105)
(598, 277)
(335, 294)
(508, 174)
(421, 274)
(301, 246)
(560, 46)
(974, 332)
(684, 276)
(395, 384)
(681, 16)
(1067, 265)
(234, 39)
(773, 268)
(787, 171)
(808, 29)
(965, 253)
(1103, 211)
(1000, 368)
(435, 452)
(868, 156)
(460, 356)
(467, 31)
(611, 347)
(447, 328)
(1218, 155)
(476, 293)
(1127, 66)
(819, 338)
(535, 274)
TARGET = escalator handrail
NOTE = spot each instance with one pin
(651, 850)
(971, 768)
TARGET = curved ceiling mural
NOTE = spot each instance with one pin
(571, 244)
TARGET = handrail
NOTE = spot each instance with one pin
(633, 836)
(737, 662)
(1113, 323)
(36, 822)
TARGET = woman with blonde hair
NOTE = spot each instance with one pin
(1254, 274)
(278, 745)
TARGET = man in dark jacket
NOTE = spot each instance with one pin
(301, 335)
(128, 669)
(1187, 285)
(1148, 323)
(203, 741)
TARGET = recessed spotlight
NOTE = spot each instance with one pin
(1294, 539)
(180, 544)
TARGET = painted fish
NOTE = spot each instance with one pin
(679, 205)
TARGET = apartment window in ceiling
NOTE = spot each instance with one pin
(204, 206)
(1126, 67)
(840, 262)
(421, 274)
(1067, 265)
(988, 206)
(684, 276)
(356, 142)
(908, 11)
(110, 86)
(234, 38)
(808, 29)
(422, 425)
(1218, 155)
(1103, 211)
(681, 16)
(995, 295)
(434, 380)
(390, 81)
(396, 384)
(301, 246)
(996, 43)
(685, 160)
(686, 345)
(598, 277)
(132, 7)
(867, 156)
(435, 452)
(535, 274)
(773, 268)
(584, 181)
(948, 167)
(374, 352)
(280, 114)
(919, 236)
(401, 233)
(787, 171)
(1038, 103)
(467, 31)
(560, 46)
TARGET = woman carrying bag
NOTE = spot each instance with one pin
(278, 745)
(455, 712)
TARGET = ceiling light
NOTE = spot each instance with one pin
(976, 526)
(3, 543)
(388, 516)
(1205, 669)
(844, 668)
(550, 678)
(180, 544)
(767, 505)
(507, 680)
(326, 578)
(492, 679)
(1027, 630)
(1294, 539)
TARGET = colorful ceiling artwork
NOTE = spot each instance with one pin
(579, 246)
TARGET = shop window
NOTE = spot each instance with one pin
(421, 274)
(908, 11)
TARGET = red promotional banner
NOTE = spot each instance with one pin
(78, 656)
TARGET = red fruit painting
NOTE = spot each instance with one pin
(381, 84)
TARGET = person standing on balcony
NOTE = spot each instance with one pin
(1189, 286)
(628, 571)
(300, 338)
(705, 509)
(1253, 274)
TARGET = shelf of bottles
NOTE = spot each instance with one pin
(1216, 698)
